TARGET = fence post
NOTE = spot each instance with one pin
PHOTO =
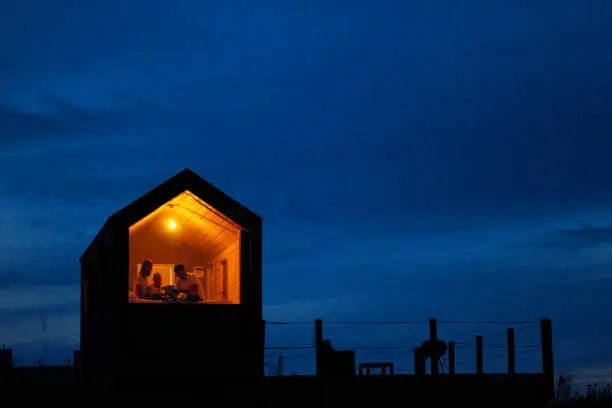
(479, 356)
(451, 358)
(548, 367)
(419, 362)
(433, 337)
(263, 328)
(319, 346)
(6, 362)
(510, 345)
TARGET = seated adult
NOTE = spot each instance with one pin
(143, 287)
(187, 284)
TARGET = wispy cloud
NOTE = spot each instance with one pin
(587, 237)
(61, 119)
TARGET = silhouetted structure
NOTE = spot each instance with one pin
(385, 368)
(525, 387)
(6, 361)
(331, 362)
(184, 220)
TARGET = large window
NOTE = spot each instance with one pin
(185, 231)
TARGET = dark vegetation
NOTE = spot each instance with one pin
(594, 394)
(287, 391)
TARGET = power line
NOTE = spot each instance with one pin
(359, 347)
(285, 323)
(489, 357)
(288, 347)
(488, 322)
(407, 348)
(376, 322)
(495, 334)
(495, 346)
(280, 322)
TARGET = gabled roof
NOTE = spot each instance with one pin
(182, 181)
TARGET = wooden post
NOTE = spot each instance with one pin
(548, 367)
(511, 352)
(479, 355)
(279, 365)
(6, 361)
(262, 357)
(319, 346)
(433, 337)
(419, 362)
(451, 358)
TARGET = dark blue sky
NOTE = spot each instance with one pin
(409, 159)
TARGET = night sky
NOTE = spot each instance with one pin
(409, 159)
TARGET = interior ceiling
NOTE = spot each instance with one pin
(188, 222)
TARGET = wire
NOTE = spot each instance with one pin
(285, 323)
(499, 346)
(495, 334)
(406, 348)
(377, 322)
(488, 322)
(489, 357)
(288, 347)
(375, 347)
(408, 322)
(369, 351)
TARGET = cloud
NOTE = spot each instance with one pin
(61, 120)
(573, 247)
(16, 298)
(290, 254)
(39, 320)
(590, 375)
(578, 238)
(22, 274)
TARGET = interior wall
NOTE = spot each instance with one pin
(148, 244)
(232, 254)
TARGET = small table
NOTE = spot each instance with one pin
(367, 367)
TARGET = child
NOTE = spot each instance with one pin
(156, 290)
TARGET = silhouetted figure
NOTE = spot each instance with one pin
(186, 284)
(143, 288)
(433, 349)
(157, 292)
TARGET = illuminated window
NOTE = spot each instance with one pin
(186, 231)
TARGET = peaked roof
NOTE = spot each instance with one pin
(158, 196)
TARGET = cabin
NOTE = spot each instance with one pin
(183, 221)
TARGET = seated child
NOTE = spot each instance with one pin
(156, 290)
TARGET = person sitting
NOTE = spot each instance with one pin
(143, 288)
(187, 284)
(156, 290)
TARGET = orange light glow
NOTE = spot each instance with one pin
(172, 224)
(187, 230)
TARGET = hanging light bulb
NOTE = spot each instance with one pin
(171, 225)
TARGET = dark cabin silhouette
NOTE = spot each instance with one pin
(188, 221)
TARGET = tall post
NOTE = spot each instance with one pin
(548, 367)
(511, 352)
(280, 369)
(262, 357)
(479, 355)
(319, 346)
(451, 358)
(433, 337)
(419, 362)
(6, 361)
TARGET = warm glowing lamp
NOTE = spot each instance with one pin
(172, 225)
